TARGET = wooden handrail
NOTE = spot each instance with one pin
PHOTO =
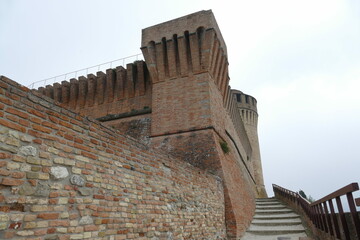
(342, 191)
(322, 212)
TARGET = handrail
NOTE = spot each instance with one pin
(342, 191)
(319, 214)
(65, 76)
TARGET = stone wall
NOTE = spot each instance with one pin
(66, 176)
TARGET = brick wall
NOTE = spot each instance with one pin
(119, 91)
(66, 176)
(178, 102)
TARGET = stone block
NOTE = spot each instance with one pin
(86, 220)
(77, 180)
(28, 151)
(59, 172)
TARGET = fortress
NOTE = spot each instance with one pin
(161, 149)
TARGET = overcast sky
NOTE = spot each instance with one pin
(299, 59)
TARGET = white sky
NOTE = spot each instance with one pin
(300, 59)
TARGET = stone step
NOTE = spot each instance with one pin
(276, 216)
(298, 228)
(268, 203)
(265, 200)
(274, 221)
(277, 222)
(273, 211)
(271, 207)
(296, 236)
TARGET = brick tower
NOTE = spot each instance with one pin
(248, 110)
(194, 112)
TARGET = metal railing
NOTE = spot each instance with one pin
(323, 214)
(85, 71)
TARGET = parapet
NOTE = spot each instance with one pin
(186, 46)
(244, 100)
(101, 94)
(178, 26)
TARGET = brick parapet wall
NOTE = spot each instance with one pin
(118, 91)
(66, 176)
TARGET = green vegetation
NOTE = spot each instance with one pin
(224, 147)
(310, 198)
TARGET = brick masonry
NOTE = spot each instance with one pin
(160, 149)
(66, 176)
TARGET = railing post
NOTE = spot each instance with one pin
(323, 217)
(333, 215)
(328, 219)
(343, 219)
(354, 214)
(319, 217)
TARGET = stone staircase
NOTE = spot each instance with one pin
(274, 221)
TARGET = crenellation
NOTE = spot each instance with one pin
(100, 87)
(90, 97)
(166, 51)
(183, 56)
(120, 83)
(65, 92)
(83, 91)
(194, 52)
(149, 53)
(41, 90)
(161, 61)
(207, 50)
(171, 57)
(215, 57)
(74, 88)
(140, 88)
(219, 64)
(57, 92)
(110, 85)
(49, 91)
(130, 81)
(227, 97)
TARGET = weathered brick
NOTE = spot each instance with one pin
(32, 175)
(17, 113)
(4, 172)
(11, 182)
(13, 166)
(12, 125)
(48, 216)
(25, 233)
(5, 155)
(30, 217)
(39, 208)
(33, 160)
(18, 175)
(59, 223)
(29, 225)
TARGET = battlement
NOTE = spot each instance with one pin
(186, 52)
(245, 100)
(86, 94)
(189, 23)
(247, 106)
